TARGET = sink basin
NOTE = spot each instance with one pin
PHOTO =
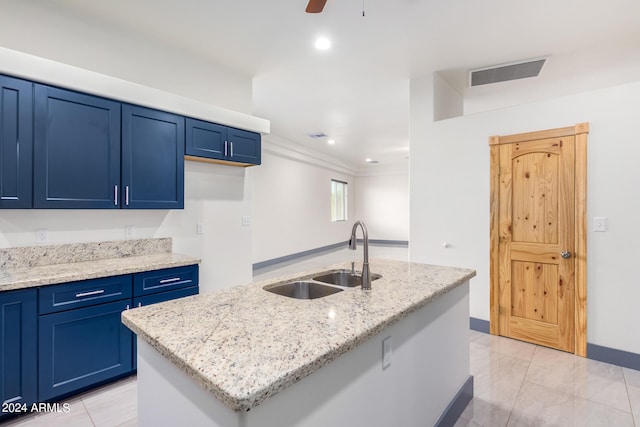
(343, 278)
(302, 289)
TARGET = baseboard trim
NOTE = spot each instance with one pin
(322, 249)
(600, 353)
(316, 251)
(479, 325)
(382, 242)
(614, 356)
(456, 407)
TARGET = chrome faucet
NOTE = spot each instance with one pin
(366, 274)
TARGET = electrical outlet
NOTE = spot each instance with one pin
(42, 235)
(246, 220)
(387, 348)
(599, 223)
(199, 228)
(129, 231)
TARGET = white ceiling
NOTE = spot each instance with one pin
(358, 91)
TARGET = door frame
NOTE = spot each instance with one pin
(580, 132)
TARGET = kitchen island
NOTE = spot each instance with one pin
(247, 357)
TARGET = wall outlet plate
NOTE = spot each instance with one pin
(42, 235)
(387, 348)
(599, 223)
(129, 231)
(199, 228)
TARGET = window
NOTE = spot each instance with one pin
(338, 200)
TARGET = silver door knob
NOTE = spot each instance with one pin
(565, 254)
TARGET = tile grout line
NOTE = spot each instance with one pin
(88, 412)
(626, 386)
(521, 384)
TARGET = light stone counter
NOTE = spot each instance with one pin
(245, 344)
(25, 267)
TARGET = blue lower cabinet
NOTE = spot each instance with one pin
(82, 347)
(18, 349)
(156, 298)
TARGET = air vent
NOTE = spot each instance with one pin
(504, 73)
(316, 135)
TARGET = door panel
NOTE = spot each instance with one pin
(76, 150)
(152, 159)
(16, 143)
(536, 224)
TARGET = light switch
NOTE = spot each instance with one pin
(599, 223)
(246, 220)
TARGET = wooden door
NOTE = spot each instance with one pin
(536, 213)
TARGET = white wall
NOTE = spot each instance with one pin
(382, 202)
(450, 195)
(292, 203)
(52, 32)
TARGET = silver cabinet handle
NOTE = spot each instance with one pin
(565, 254)
(225, 148)
(87, 294)
(115, 195)
(175, 279)
(231, 143)
(128, 307)
(139, 304)
(126, 195)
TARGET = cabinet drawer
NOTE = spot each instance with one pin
(151, 282)
(165, 296)
(83, 294)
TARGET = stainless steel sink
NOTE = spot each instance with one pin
(302, 289)
(343, 278)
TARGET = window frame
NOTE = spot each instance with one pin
(335, 194)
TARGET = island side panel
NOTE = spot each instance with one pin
(430, 364)
(169, 397)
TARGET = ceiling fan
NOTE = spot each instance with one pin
(315, 6)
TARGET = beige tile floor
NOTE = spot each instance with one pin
(515, 383)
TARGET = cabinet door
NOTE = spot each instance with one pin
(206, 139)
(76, 150)
(82, 347)
(18, 347)
(152, 159)
(244, 146)
(16, 143)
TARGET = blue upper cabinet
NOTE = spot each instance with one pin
(205, 139)
(77, 150)
(16, 143)
(221, 144)
(244, 146)
(152, 159)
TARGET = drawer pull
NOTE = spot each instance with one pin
(175, 279)
(86, 294)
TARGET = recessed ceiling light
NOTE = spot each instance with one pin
(323, 43)
(331, 142)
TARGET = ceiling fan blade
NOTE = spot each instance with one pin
(315, 6)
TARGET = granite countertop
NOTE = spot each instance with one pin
(245, 344)
(26, 267)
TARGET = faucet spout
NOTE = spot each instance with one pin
(366, 274)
